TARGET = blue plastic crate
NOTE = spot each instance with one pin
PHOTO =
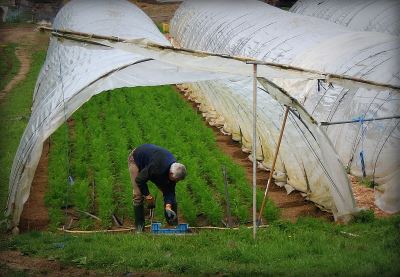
(180, 229)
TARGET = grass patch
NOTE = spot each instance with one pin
(308, 247)
(9, 64)
(160, 27)
(364, 216)
(366, 182)
(14, 116)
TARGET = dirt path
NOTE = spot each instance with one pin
(158, 12)
(24, 58)
(365, 197)
(28, 40)
(35, 216)
(14, 262)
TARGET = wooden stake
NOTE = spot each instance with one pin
(273, 165)
(89, 214)
(228, 205)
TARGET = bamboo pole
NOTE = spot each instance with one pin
(222, 228)
(130, 229)
(85, 37)
(254, 150)
(69, 32)
(329, 77)
(89, 214)
(273, 164)
(122, 230)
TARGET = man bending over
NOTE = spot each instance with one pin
(154, 163)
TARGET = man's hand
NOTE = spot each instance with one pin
(170, 214)
(151, 204)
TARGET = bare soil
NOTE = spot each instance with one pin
(24, 59)
(14, 263)
(24, 35)
(365, 197)
(35, 215)
(158, 12)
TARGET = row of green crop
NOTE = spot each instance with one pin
(104, 131)
(59, 190)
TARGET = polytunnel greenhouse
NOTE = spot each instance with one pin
(325, 73)
(308, 43)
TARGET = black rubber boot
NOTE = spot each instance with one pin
(139, 218)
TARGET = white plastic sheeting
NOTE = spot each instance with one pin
(306, 160)
(257, 30)
(360, 15)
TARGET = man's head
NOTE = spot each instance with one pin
(177, 172)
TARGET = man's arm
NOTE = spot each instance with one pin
(170, 206)
(141, 180)
(169, 195)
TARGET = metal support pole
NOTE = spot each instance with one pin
(273, 165)
(228, 205)
(254, 150)
(358, 120)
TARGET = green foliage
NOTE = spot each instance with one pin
(9, 64)
(364, 216)
(109, 126)
(160, 27)
(366, 182)
(58, 195)
(309, 247)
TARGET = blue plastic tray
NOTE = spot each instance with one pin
(180, 229)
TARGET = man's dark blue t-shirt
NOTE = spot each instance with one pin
(154, 163)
